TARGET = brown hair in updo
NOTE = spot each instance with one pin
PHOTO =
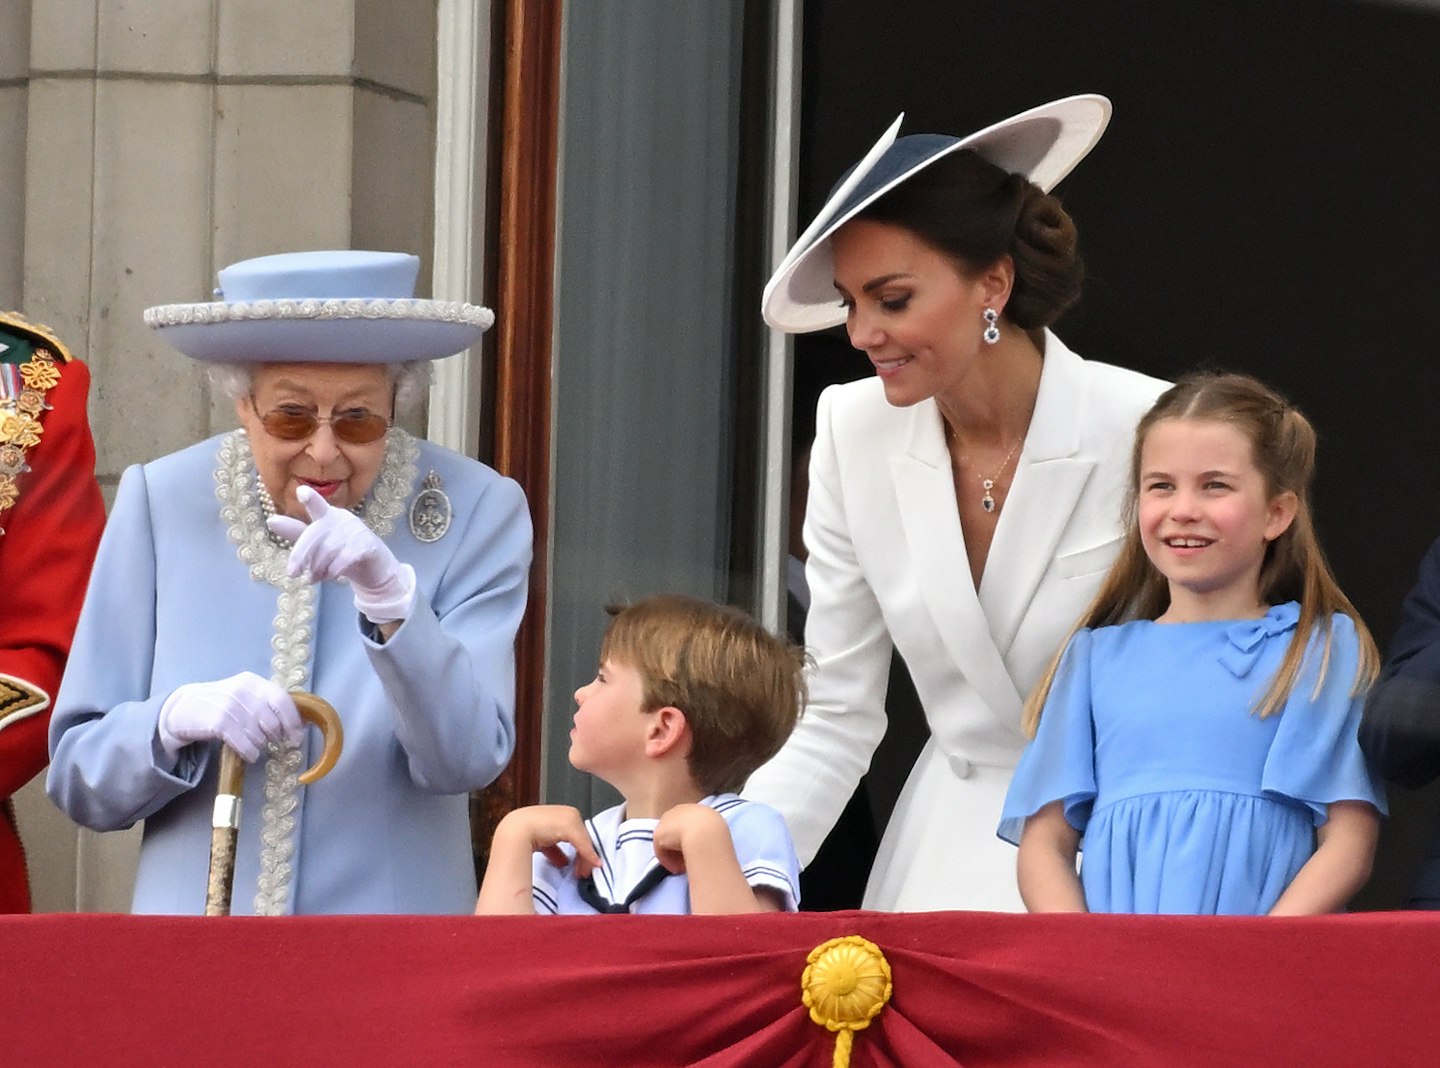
(975, 213)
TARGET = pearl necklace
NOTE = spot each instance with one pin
(244, 506)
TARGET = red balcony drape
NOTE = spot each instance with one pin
(970, 989)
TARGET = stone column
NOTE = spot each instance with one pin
(14, 97)
(159, 141)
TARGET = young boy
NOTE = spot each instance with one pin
(689, 699)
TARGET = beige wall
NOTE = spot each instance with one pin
(146, 144)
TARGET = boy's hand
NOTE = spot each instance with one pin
(506, 888)
(686, 829)
(694, 840)
(541, 829)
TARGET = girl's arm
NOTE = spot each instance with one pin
(1046, 864)
(1340, 864)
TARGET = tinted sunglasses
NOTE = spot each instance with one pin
(357, 426)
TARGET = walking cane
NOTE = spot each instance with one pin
(225, 827)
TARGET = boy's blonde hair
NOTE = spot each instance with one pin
(741, 687)
(1282, 447)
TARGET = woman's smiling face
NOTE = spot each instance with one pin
(910, 309)
(340, 471)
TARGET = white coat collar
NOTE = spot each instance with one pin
(1049, 477)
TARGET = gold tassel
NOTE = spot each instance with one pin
(845, 985)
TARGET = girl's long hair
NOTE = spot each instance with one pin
(1283, 449)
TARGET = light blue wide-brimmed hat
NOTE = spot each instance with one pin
(1043, 144)
(343, 306)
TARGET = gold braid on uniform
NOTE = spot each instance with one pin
(20, 426)
(19, 699)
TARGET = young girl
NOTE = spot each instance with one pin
(1198, 734)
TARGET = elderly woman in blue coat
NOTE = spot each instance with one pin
(318, 547)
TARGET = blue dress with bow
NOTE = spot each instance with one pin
(1186, 800)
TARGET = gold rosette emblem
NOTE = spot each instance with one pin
(39, 374)
(19, 430)
(31, 402)
(20, 426)
(845, 985)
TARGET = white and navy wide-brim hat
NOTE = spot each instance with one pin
(1043, 144)
(324, 307)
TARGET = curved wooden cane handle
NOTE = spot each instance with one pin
(320, 712)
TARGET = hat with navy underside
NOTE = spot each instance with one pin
(1044, 144)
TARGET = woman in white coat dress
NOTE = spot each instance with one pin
(316, 548)
(965, 502)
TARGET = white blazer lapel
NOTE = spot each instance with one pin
(925, 492)
(1046, 488)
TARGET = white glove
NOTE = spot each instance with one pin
(243, 711)
(337, 544)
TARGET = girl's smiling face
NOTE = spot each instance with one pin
(1206, 517)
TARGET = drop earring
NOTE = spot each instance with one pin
(992, 332)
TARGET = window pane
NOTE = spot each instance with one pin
(645, 353)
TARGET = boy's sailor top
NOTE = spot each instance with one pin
(631, 879)
(51, 515)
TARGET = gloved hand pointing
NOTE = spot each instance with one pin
(244, 711)
(337, 544)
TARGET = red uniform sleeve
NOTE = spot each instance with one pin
(49, 543)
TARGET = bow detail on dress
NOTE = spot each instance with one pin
(1247, 637)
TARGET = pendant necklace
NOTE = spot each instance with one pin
(987, 502)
